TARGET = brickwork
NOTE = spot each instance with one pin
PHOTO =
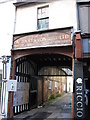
(39, 92)
(47, 42)
(78, 47)
(52, 85)
(10, 97)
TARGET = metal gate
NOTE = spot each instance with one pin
(23, 98)
(33, 92)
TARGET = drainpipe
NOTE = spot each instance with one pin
(73, 43)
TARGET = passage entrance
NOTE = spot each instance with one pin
(26, 95)
(39, 77)
(54, 82)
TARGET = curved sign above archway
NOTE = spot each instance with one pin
(46, 38)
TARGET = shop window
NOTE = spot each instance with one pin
(43, 18)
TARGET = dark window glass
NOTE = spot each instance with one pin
(86, 45)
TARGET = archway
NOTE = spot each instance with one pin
(31, 75)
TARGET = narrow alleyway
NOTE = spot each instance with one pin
(59, 108)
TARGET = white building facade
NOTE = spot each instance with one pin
(34, 16)
(60, 13)
(31, 18)
(7, 18)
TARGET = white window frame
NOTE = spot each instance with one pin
(56, 84)
(50, 85)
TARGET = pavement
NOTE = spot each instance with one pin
(1, 116)
(60, 108)
(0, 111)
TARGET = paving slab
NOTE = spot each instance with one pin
(60, 115)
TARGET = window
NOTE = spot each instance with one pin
(84, 17)
(56, 84)
(43, 18)
(50, 85)
(86, 45)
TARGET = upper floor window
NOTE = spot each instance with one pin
(43, 18)
(84, 17)
(86, 45)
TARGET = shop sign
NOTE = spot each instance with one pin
(79, 98)
(44, 39)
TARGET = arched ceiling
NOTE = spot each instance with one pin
(43, 60)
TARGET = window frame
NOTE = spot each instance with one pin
(56, 84)
(46, 17)
(50, 85)
(79, 6)
(85, 45)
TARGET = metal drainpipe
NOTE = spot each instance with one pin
(73, 39)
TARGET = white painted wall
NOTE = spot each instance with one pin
(69, 84)
(7, 17)
(62, 13)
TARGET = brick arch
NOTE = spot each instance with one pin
(67, 51)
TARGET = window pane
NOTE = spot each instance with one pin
(85, 45)
(47, 20)
(47, 12)
(43, 23)
(50, 85)
(39, 13)
(89, 45)
(39, 24)
(56, 84)
(42, 12)
(84, 18)
(47, 25)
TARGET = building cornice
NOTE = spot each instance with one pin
(43, 31)
(31, 2)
